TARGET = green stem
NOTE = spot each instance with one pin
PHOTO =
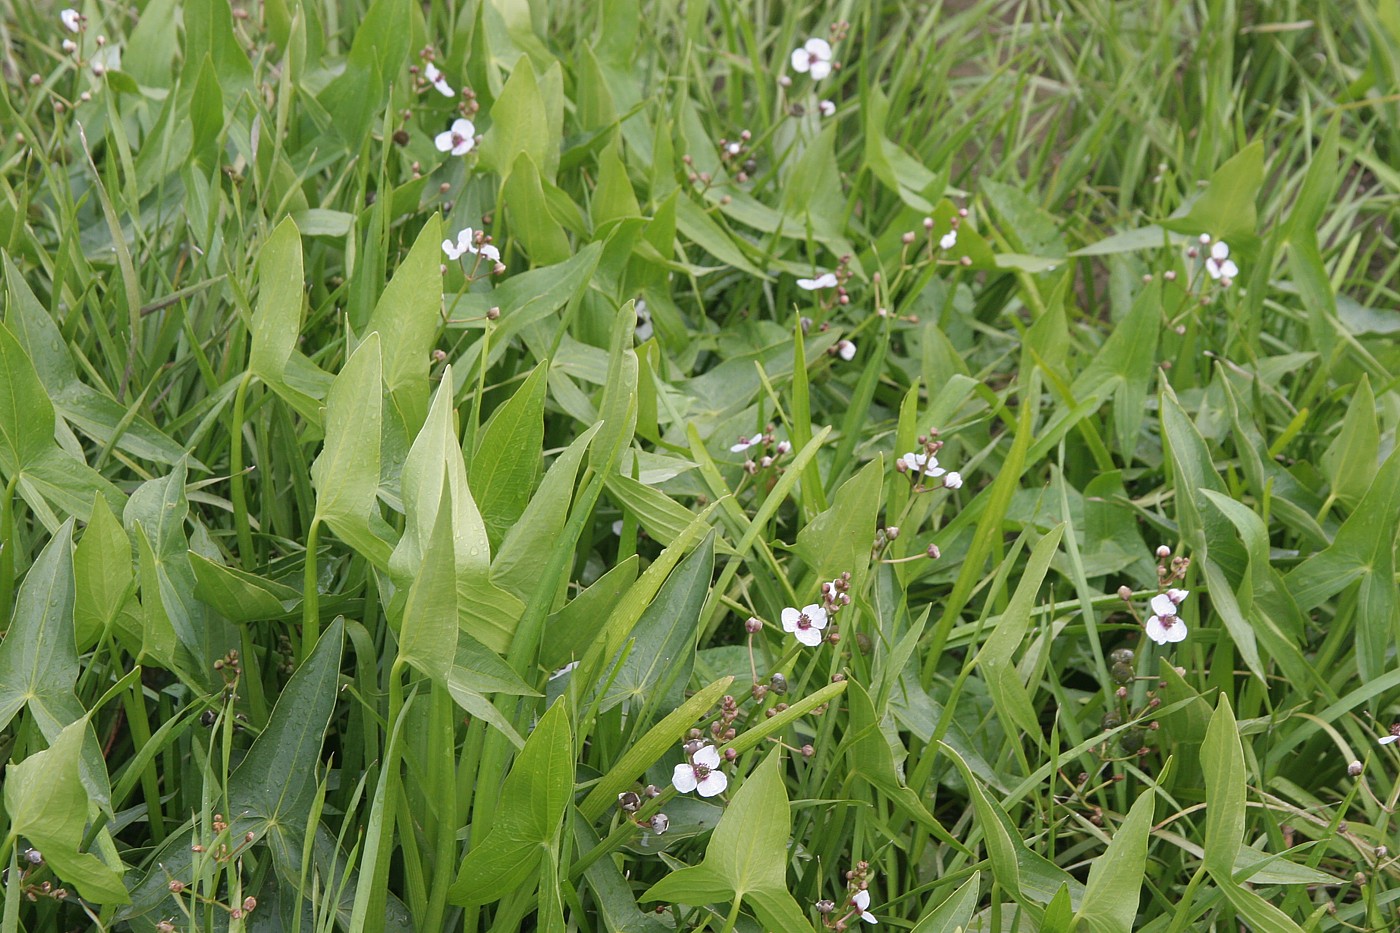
(474, 422)
(7, 547)
(310, 597)
(134, 704)
(237, 493)
(733, 917)
(444, 789)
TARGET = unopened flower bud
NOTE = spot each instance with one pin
(493, 313)
(629, 802)
(660, 823)
(892, 532)
(933, 552)
(778, 684)
(1163, 552)
(176, 886)
(907, 238)
(249, 903)
(1354, 769)
(753, 626)
(33, 856)
(1125, 593)
(808, 751)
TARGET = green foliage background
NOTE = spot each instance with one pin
(348, 587)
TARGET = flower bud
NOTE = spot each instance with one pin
(1121, 655)
(1354, 769)
(33, 856)
(629, 802)
(1163, 552)
(753, 626)
(933, 552)
(1125, 593)
(778, 684)
(249, 903)
(660, 823)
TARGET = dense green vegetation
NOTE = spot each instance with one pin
(746, 466)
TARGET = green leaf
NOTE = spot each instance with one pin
(1110, 902)
(428, 634)
(102, 574)
(516, 567)
(747, 854)
(613, 198)
(619, 404)
(663, 642)
(346, 474)
(528, 212)
(407, 317)
(954, 914)
(533, 800)
(1259, 914)
(837, 540)
(570, 630)
(1226, 209)
(237, 595)
(39, 660)
(158, 638)
(1351, 460)
(896, 169)
(506, 462)
(206, 115)
(277, 318)
(48, 805)
(26, 414)
(1222, 760)
(520, 126)
(1126, 365)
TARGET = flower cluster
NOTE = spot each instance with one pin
(1219, 266)
(773, 449)
(857, 901)
(475, 243)
(922, 464)
(1164, 625)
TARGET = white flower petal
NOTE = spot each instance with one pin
(443, 141)
(1387, 739)
(1228, 269)
(825, 280)
(818, 48)
(643, 329)
(826, 108)
(451, 249)
(953, 480)
(817, 614)
(846, 349)
(490, 252)
(434, 76)
(1219, 251)
(707, 756)
(801, 60)
(683, 779)
(1176, 631)
(948, 240)
(1157, 631)
(1162, 605)
(72, 19)
(1178, 596)
(820, 69)
(789, 619)
(563, 670)
(715, 782)
(810, 637)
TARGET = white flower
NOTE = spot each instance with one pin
(617, 527)
(826, 108)
(948, 240)
(72, 19)
(862, 902)
(923, 463)
(1219, 265)
(953, 481)
(846, 349)
(825, 280)
(466, 243)
(813, 58)
(69, 46)
(1178, 596)
(783, 447)
(461, 247)
(702, 774)
(1394, 735)
(458, 140)
(644, 328)
(430, 71)
(745, 443)
(734, 148)
(1164, 625)
(806, 624)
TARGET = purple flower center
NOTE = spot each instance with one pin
(701, 772)
(1167, 621)
(804, 621)
(458, 139)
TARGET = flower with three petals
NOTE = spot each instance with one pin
(1163, 626)
(701, 774)
(459, 139)
(435, 78)
(805, 624)
(825, 280)
(861, 901)
(923, 463)
(814, 58)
